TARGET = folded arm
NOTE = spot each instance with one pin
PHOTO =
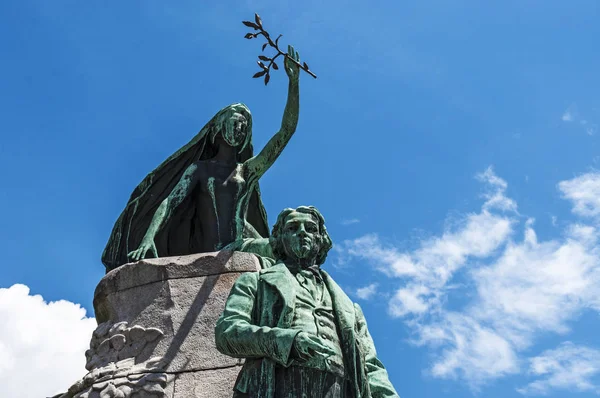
(238, 337)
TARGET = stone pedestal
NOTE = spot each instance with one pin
(155, 335)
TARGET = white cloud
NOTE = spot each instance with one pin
(496, 192)
(415, 299)
(388, 259)
(535, 287)
(42, 344)
(366, 292)
(472, 351)
(567, 116)
(517, 288)
(571, 115)
(584, 192)
(568, 367)
(350, 221)
(433, 264)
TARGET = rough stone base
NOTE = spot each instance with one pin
(206, 383)
(155, 336)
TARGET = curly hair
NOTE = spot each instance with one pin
(325, 242)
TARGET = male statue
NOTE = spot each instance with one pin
(299, 332)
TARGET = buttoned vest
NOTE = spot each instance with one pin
(313, 313)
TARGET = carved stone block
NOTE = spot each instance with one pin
(155, 336)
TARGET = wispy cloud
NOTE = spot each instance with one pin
(584, 193)
(433, 264)
(350, 221)
(468, 349)
(537, 286)
(568, 116)
(495, 193)
(518, 287)
(568, 367)
(40, 341)
(366, 292)
(571, 115)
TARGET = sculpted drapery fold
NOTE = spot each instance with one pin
(181, 235)
(206, 195)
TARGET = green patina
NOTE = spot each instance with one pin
(213, 197)
(300, 334)
(206, 195)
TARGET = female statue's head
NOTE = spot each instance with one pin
(234, 124)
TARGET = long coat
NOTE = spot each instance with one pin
(256, 325)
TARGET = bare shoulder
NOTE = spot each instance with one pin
(248, 168)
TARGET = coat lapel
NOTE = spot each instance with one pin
(342, 305)
(344, 312)
(281, 280)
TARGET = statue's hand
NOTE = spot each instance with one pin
(291, 68)
(140, 253)
(308, 346)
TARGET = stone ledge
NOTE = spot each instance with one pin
(160, 269)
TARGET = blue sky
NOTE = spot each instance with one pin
(451, 146)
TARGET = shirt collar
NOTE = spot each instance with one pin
(314, 270)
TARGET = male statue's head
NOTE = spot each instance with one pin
(299, 237)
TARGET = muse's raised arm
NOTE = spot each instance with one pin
(186, 184)
(259, 164)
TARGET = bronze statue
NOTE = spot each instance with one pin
(206, 195)
(299, 332)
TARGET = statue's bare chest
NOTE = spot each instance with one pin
(221, 180)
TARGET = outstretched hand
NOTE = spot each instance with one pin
(140, 253)
(291, 68)
(308, 346)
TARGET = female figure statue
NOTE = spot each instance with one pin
(206, 195)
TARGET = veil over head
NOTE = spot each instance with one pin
(178, 236)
